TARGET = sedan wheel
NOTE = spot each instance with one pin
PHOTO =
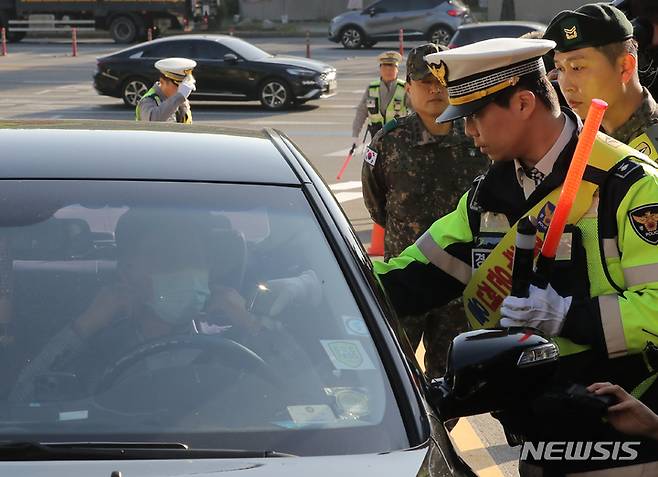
(351, 38)
(133, 91)
(275, 95)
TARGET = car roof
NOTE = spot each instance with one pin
(166, 39)
(125, 150)
(473, 26)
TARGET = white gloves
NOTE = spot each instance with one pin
(304, 289)
(544, 310)
(187, 86)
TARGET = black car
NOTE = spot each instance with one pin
(188, 300)
(228, 69)
(474, 32)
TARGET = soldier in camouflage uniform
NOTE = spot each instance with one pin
(597, 57)
(414, 172)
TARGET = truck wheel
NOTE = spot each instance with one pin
(123, 30)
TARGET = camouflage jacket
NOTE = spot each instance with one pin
(411, 178)
(640, 122)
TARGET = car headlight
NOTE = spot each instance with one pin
(300, 72)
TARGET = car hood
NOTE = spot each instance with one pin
(297, 61)
(366, 465)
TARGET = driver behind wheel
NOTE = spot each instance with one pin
(162, 289)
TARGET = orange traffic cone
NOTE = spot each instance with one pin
(376, 241)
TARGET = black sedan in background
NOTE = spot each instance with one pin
(228, 69)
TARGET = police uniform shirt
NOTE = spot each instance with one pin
(545, 165)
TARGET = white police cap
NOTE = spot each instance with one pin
(475, 73)
(175, 68)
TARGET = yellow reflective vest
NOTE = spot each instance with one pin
(396, 107)
(608, 260)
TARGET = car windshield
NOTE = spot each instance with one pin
(246, 50)
(210, 314)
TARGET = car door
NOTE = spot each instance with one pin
(212, 71)
(418, 12)
(384, 18)
(221, 76)
(167, 49)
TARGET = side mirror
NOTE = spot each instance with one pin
(492, 370)
(230, 58)
(372, 12)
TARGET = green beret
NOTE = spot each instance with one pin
(595, 24)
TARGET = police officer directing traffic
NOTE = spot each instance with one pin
(414, 171)
(167, 100)
(601, 303)
(384, 99)
(597, 57)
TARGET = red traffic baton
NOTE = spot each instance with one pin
(570, 189)
(347, 161)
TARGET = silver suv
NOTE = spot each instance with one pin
(432, 20)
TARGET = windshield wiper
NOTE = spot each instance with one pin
(17, 450)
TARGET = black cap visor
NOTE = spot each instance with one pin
(453, 112)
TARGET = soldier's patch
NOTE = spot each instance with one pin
(644, 220)
(370, 157)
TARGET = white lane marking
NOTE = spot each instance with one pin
(45, 91)
(339, 153)
(295, 123)
(338, 106)
(345, 185)
(347, 196)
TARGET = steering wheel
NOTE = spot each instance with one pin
(232, 354)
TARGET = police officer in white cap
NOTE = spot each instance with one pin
(167, 99)
(601, 315)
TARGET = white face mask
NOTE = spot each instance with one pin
(179, 296)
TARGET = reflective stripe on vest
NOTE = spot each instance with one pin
(485, 291)
(152, 93)
(395, 108)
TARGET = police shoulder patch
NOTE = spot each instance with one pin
(370, 156)
(644, 220)
(623, 168)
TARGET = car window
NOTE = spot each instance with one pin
(168, 49)
(245, 49)
(210, 314)
(210, 50)
(391, 6)
(423, 4)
